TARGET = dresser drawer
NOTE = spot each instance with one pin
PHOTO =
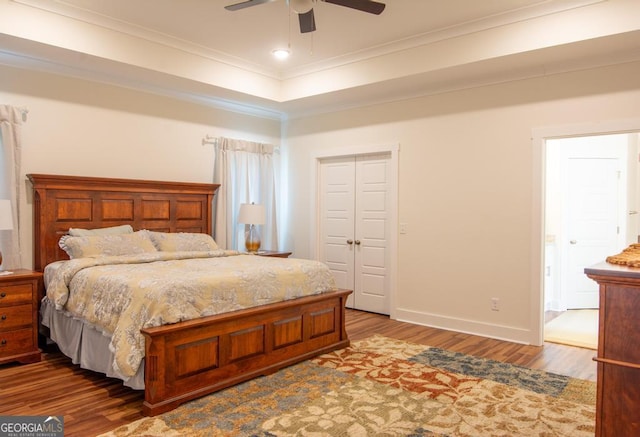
(15, 294)
(15, 342)
(16, 316)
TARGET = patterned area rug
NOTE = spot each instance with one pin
(386, 387)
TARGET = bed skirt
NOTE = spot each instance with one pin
(84, 344)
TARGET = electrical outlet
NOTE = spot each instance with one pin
(495, 304)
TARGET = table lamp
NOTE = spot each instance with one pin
(252, 215)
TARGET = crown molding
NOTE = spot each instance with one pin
(539, 9)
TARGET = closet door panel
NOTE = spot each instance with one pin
(372, 232)
(337, 195)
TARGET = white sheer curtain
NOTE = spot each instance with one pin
(10, 152)
(246, 172)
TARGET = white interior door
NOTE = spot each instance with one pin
(337, 194)
(593, 210)
(592, 226)
(371, 249)
(355, 227)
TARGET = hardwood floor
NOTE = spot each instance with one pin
(92, 404)
(557, 358)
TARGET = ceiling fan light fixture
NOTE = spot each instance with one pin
(281, 53)
(301, 6)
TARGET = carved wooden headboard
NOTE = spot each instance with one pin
(63, 202)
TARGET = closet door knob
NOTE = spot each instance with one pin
(358, 242)
(350, 242)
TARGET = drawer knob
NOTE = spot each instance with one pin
(3, 342)
(3, 294)
(3, 317)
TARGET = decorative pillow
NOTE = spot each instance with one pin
(113, 230)
(107, 245)
(182, 241)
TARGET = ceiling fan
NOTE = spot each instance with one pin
(304, 9)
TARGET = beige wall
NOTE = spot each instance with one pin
(465, 188)
(466, 171)
(76, 127)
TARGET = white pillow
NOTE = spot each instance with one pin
(182, 241)
(107, 245)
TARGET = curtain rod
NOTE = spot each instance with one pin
(209, 140)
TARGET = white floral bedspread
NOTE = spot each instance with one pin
(120, 295)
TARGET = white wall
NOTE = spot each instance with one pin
(466, 171)
(465, 188)
(76, 127)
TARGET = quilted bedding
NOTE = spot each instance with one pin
(120, 295)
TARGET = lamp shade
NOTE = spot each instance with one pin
(6, 218)
(251, 214)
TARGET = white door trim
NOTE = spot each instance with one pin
(538, 153)
(393, 150)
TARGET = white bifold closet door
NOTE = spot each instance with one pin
(354, 227)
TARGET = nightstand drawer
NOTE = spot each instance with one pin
(19, 293)
(14, 342)
(16, 294)
(16, 316)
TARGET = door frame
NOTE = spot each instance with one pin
(316, 158)
(538, 156)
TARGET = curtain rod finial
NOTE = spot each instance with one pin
(208, 139)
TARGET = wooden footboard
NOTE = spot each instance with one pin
(190, 359)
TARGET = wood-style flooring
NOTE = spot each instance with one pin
(92, 404)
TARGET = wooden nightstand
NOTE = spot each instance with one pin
(19, 292)
(273, 253)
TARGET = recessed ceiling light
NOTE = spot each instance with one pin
(281, 53)
(301, 6)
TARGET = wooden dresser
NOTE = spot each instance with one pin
(19, 294)
(618, 396)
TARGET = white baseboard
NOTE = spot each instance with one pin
(498, 332)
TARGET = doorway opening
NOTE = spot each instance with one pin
(590, 200)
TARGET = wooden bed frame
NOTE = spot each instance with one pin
(189, 359)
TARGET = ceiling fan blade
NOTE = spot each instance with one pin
(362, 5)
(246, 4)
(307, 22)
